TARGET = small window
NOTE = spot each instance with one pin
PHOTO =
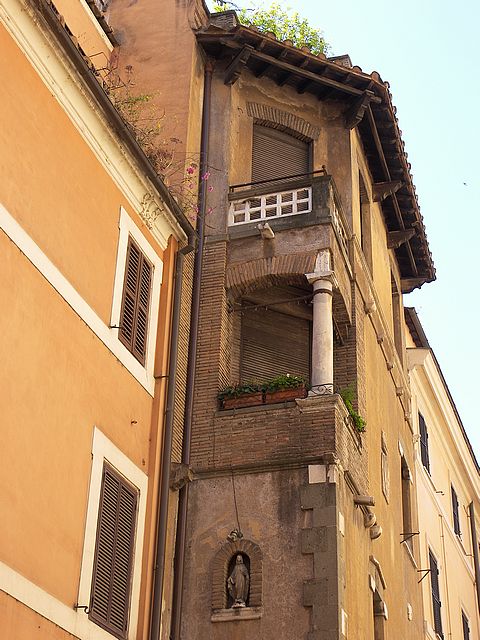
(424, 442)
(406, 505)
(365, 222)
(455, 512)
(277, 154)
(384, 468)
(436, 602)
(465, 626)
(113, 562)
(136, 302)
(397, 317)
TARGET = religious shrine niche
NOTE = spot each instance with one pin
(237, 576)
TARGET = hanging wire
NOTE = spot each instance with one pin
(236, 507)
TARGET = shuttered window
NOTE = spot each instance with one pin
(277, 154)
(436, 602)
(455, 512)
(424, 442)
(465, 627)
(113, 563)
(274, 344)
(136, 302)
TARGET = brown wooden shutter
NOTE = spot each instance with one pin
(135, 302)
(277, 154)
(113, 564)
(274, 344)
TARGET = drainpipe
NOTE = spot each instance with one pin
(164, 486)
(179, 563)
(471, 510)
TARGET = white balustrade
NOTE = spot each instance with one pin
(271, 205)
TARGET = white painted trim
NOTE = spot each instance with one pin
(104, 450)
(49, 271)
(46, 605)
(129, 228)
(64, 83)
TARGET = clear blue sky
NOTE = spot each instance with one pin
(427, 50)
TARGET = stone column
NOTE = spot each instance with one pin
(323, 281)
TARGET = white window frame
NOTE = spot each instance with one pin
(128, 228)
(104, 450)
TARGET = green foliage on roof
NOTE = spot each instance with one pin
(283, 22)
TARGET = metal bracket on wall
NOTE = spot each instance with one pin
(425, 573)
(85, 608)
(408, 536)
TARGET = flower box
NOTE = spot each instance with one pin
(246, 400)
(285, 395)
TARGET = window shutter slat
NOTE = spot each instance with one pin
(113, 565)
(136, 302)
(277, 154)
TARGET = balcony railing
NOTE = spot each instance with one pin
(311, 197)
(270, 205)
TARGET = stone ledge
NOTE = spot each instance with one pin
(236, 615)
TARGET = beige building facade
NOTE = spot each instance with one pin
(448, 494)
(311, 236)
(90, 240)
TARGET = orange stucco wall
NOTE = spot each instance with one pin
(53, 184)
(21, 623)
(57, 379)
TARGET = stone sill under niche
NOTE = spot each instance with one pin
(236, 615)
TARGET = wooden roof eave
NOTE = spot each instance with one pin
(368, 92)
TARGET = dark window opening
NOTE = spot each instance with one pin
(277, 154)
(397, 312)
(424, 442)
(136, 294)
(378, 617)
(455, 512)
(465, 627)
(114, 548)
(406, 505)
(436, 602)
(365, 222)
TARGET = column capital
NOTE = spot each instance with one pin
(328, 278)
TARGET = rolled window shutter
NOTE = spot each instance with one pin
(277, 154)
(273, 344)
(113, 564)
(136, 302)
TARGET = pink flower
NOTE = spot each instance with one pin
(209, 210)
(190, 170)
(210, 188)
(206, 175)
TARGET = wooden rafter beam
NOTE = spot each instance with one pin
(354, 114)
(388, 178)
(286, 66)
(234, 69)
(396, 238)
(382, 190)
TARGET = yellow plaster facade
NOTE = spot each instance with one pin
(451, 464)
